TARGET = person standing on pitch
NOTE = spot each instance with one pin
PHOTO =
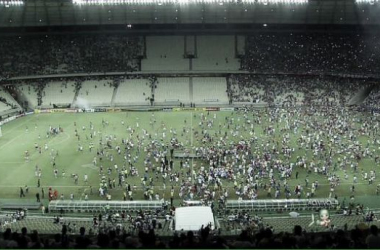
(22, 192)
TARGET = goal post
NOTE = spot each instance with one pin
(1, 133)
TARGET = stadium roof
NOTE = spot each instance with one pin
(51, 13)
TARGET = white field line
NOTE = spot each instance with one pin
(15, 138)
(10, 130)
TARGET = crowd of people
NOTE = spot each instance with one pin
(248, 154)
(288, 52)
(204, 238)
(265, 52)
(372, 101)
(59, 54)
(234, 159)
(293, 90)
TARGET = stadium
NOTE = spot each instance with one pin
(189, 123)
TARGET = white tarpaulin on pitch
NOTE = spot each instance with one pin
(192, 218)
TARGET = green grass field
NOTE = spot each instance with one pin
(16, 172)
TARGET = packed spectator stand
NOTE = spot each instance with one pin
(283, 52)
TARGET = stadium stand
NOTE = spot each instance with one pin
(58, 93)
(133, 92)
(8, 99)
(172, 91)
(165, 53)
(264, 52)
(215, 53)
(244, 90)
(46, 225)
(95, 93)
(311, 53)
(40, 55)
(29, 92)
(291, 90)
(147, 231)
(16, 206)
(209, 90)
(373, 98)
(4, 108)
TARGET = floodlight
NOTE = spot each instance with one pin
(371, 2)
(162, 2)
(11, 3)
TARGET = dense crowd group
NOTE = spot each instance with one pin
(265, 52)
(59, 54)
(234, 158)
(204, 238)
(293, 90)
(312, 53)
(373, 98)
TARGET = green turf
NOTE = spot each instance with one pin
(16, 172)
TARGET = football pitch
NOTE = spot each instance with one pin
(24, 133)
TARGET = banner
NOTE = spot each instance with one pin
(38, 111)
(189, 109)
(71, 111)
(113, 110)
(227, 109)
(141, 109)
(9, 119)
(99, 110)
(212, 109)
(167, 109)
(6, 120)
(57, 111)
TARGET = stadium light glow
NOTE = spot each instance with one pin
(8, 3)
(162, 2)
(367, 1)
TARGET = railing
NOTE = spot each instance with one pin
(98, 206)
(282, 204)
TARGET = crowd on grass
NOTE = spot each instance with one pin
(248, 154)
